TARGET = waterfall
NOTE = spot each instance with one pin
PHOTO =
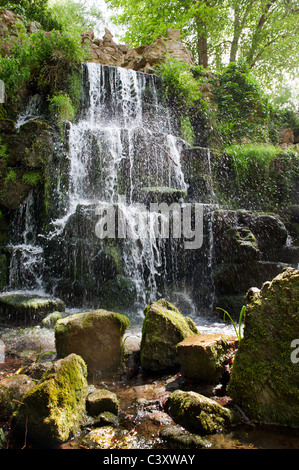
(26, 260)
(124, 155)
(123, 142)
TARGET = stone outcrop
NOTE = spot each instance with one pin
(23, 309)
(52, 411)
(143, 58)
(163, 328)
(96, 336)
(249, 249)
(203, 357)
(264, 379)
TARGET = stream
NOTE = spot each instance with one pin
(142, 397)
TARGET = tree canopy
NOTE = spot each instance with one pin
(263, 33)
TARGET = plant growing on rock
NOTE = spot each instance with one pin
(238, 329)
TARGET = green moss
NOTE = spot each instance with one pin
(163, 328)
(198, 413)
(264, 381)
(27, 309)
(53, 409)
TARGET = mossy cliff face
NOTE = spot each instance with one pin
(264, 380)
(52, 411)
(163, 328)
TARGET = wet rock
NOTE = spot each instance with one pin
(271, 234)
(52, 411)
(236, 278)
(50, 320)
(37, 369)
(264, 380)
(96, 336)
(203, 357)
(12, 390)
(102, 400)
(109, 437)
(106, 419)
(198, 413)
(27, 310)
(180, 438)
(163, 328)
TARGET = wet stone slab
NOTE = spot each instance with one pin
(26, 309)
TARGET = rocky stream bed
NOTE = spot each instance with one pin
(143, 421)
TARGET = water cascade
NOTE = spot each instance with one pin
(124, 152)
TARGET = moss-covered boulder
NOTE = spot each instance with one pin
(163, 328)
(264, 380)
(198, 413)
(23, 309)
(101, 400)
(50, 320)
(53, 410)
(96, 336)
(11, 389)
(203, 357)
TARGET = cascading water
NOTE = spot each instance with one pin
(123, 142)
(26, 253)
(124, 152)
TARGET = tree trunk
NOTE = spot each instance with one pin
(237, 32)
(202, 46)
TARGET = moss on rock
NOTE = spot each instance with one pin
(27, 309)
(264, 381)
(202, 357)
(96, 336)
(163, 328)
(52, 411)
(198, 413)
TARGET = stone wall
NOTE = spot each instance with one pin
(143, 58)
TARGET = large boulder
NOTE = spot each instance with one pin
(264, 379)
(52, 411)
(198, 413)
(204, 357)
(96, 336)
(23, 309)
(163, 328)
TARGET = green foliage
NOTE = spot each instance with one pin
(3, 440)
(178, 78)
(76, 17)
(33, 10)
(187, 131)
(61, 108)
(4, 155)
(181, 85)
(11, 176)
(242, 107)
(266, 176)
(247, 157)
(46, 61)
(32, 178)
(238, 330)
(264, 33)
